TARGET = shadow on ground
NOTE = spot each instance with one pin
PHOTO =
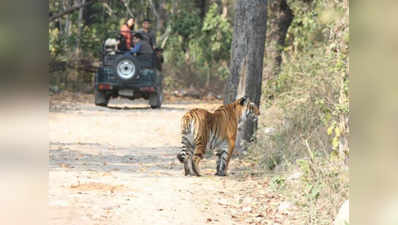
(106, 158)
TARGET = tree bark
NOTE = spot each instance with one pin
(247, 58)
(280, 18)
(156, 8)
(202, 6)
(80, 26)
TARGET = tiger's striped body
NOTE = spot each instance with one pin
(202, 130)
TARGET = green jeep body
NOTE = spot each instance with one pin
(127, 76)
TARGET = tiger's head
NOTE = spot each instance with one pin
(249, 109)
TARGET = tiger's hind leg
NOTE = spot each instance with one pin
(222, 157)
(197, 156)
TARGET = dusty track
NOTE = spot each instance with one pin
(118, 165)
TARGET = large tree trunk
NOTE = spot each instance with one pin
(247, 57)
(279, 20)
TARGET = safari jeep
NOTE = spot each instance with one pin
(127, 76)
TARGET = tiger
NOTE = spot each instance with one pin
(202, 130)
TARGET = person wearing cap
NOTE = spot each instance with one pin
(147, 33)
(126, 30)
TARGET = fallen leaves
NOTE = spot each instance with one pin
(252, 202)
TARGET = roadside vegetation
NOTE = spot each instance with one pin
(302, 138)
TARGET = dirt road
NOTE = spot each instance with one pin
(118, 165)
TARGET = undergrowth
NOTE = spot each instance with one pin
(303, 129)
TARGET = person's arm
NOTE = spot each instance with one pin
(136, 48)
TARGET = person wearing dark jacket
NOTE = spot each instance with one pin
(147, 33)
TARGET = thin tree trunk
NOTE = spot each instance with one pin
(80, 26)
(208, 76)
(67, 30)
(155, 10)
(280, 18)
(74, 76)
(224, 4)
(202, 6)
(247, 58)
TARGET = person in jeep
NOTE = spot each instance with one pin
(128, 73)
(126, 30)
(147, 33)
(141, 47)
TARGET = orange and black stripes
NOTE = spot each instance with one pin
(203, 130)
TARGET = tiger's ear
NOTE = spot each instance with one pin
(242, 100)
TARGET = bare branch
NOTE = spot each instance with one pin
(164, 37)
(127, 7)
(155, 12)
(70, 10)
(109, 9)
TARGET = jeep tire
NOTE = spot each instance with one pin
(155, 99)
(125, 67)
(101, 99)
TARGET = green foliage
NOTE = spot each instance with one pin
(199, 51)
(216, 35)
(319, 189)
(54, 43)
(213, 42)
(311, 92)
(196, 48)
(185, 24)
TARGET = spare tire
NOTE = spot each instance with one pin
(125, 67)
